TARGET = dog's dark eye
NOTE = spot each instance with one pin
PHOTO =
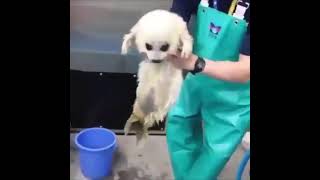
(149, 47)
(164, 47)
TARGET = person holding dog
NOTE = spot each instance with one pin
(212, 112)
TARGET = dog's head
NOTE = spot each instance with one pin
(157, 33)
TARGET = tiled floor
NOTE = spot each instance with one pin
(150, 163)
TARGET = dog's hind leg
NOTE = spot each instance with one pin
(137, 117)
(135, 123)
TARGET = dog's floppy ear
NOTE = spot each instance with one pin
(128, 39)
(186, 39)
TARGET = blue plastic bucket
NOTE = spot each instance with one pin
(96, 148)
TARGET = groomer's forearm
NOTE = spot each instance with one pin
(228, 70)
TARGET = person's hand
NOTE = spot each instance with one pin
(183, 63)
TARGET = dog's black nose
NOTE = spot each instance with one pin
(156, 60)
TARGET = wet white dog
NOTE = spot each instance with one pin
(157, 34)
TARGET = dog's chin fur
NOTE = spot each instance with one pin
(158, 83)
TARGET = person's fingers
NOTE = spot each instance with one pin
(177, 54)
(172, 57)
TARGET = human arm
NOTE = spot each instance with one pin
(238, 71)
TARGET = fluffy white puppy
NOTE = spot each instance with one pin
(155, 35)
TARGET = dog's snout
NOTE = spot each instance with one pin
(156, 60)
